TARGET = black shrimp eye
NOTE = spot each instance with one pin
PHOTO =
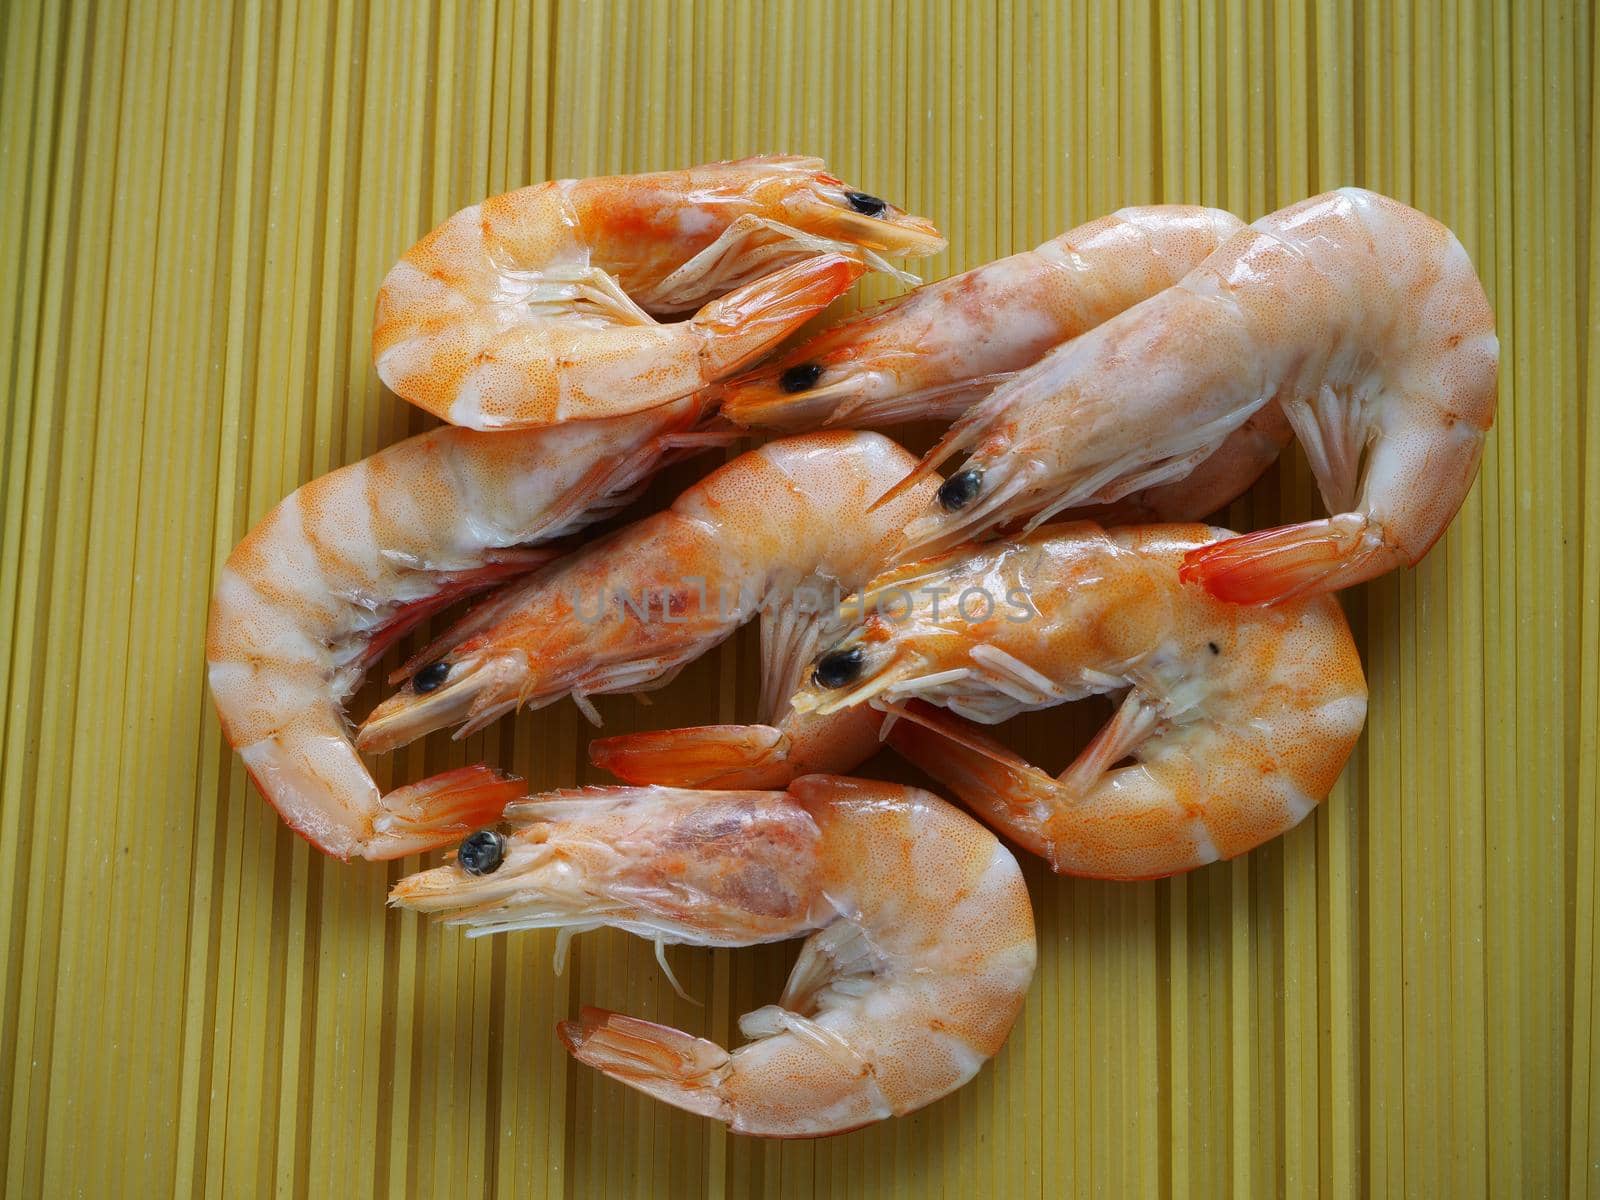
(961, 489)
(869, 206)
(430, 677)
(798, 379)
(839, 667)
(482, 853)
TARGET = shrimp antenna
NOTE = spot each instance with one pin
(923, 715)
(958, 437)
(661, 960)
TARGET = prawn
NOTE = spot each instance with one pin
(1361, 317)
(349, 562)
(920, 949)
(933, 353)
(1237, 719)
(556, 301)
(930, 354)
(781, 531)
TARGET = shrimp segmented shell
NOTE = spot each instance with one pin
(352, 560)
(555, 301)
(919, 955)
(1237, 719)
(1361, 317)
(781, 532)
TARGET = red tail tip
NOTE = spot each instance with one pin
(1297, 560)
(441, 810)
(700, 756)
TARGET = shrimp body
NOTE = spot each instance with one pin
(1238, 719)
(551, 302)
(919, 955)
(930, 354)
(782, 531)
(1361, 317)
(350, 561)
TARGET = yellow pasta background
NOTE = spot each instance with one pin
(197, 203)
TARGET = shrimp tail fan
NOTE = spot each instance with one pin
(704, 756)
(660, 1061)
(750, 321)
(1006, 791)
(1275, 565)
(441, 810)
(1042, 814)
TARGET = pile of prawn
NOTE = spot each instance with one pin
(1108, 389)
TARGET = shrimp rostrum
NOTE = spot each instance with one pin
(349, 562)
(780, 532)
(919, 936)
(592, 297)
(1361, 317)
(1237, 720)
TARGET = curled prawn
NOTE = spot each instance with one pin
(780, 532)
(1361, 317)
(349, 562)
(557, 301)
(919, 955)
(1237, 719)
